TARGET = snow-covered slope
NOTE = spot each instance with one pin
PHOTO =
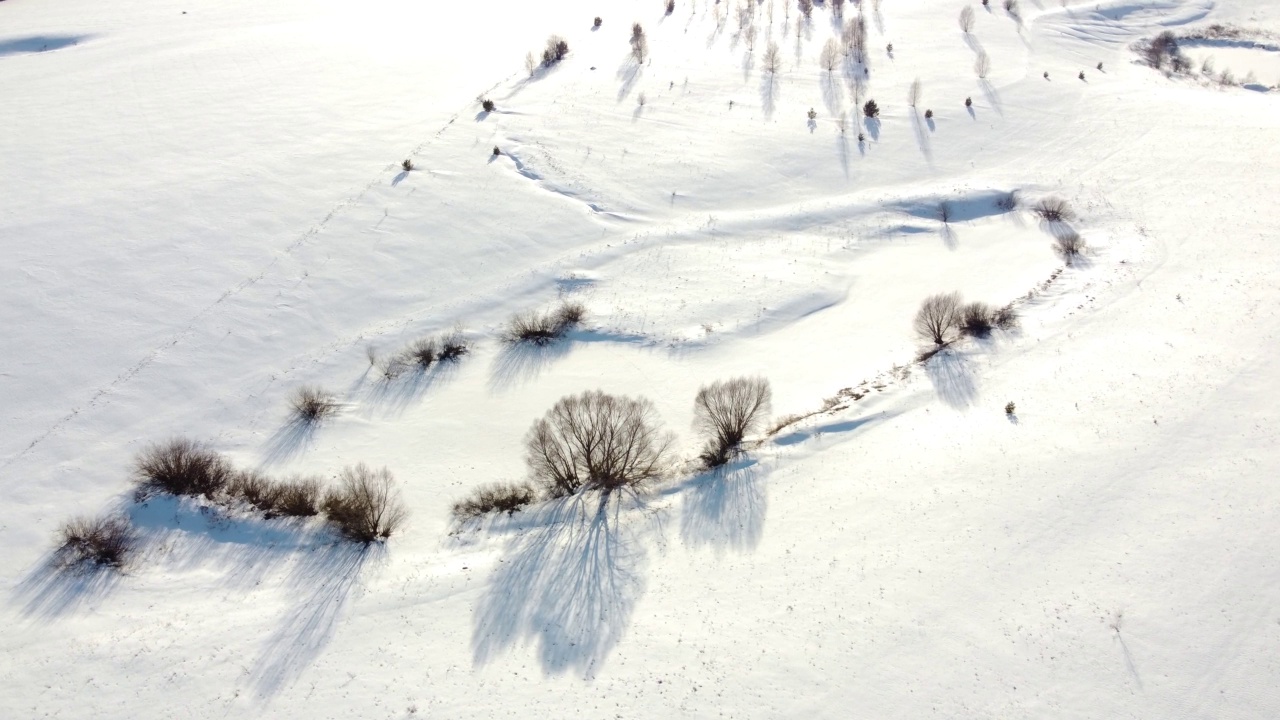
(204, 209)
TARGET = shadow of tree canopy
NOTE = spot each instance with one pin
(726, 509)
(567, 586)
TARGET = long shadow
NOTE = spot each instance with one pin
(396, 394)
(950, 238)
(568, 587)
(399, 178)
(768, 93)
(873, 127)
(842, 143)
(289, 441)
(39, 44)
(922, 137)
(629, 74)
(726, 509)
(832, 93)
(952, 375)
(321, 584)
(53, 589)
(517, 363)
(993, 97)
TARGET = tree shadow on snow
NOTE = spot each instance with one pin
(289, 441)
(567, 586)
(951, 373)
(517, 363)
(39, 44)
(54, 589)
(768, 94)
(726, 508)
(397, 394)
(873, 128)
(629, 74)
(320, 583)
(922, 137)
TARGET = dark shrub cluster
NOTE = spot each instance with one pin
(312, 404)
(422, 353)
(488, 105)
(1162, 51)
(942, 315)
(557, 48)
(495, 498)
(104, 541)
(1069, 245)
(1054, 210)
(366, 506)
(639, 43)
(544, 328)
(726, 411)
(871, 109)
(182, 467)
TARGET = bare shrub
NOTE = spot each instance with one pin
(966, 19)
(928, 114)
(639, 43)
(557, 48)
(913, 95)
(871, 109)
(488, 105)
(1009, 202)
(311, 404)
(407, 165)
(938, 314)
(105, 541)
(595, 441)
(1069, 246)
(1054, 209)
(975, 319)
(772, 61)
(830, 57)
(422, 352)
(726, 411)
(181, 467)
(366, 506)
(453, 346)
(545, 327)
(1158, 51)
(982, 65)
(297, 497)
(254, 488)
(495, 498)
(1005, 318)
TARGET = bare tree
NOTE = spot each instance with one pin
(726, 411)
(830, 57)
(913, 95)
(855, 38)
(837, 7)
(966, 19)
(366, 506)
(531, 63)
(982, 65)
(938, 314)
(639, 43)
(772, 61)
(596, 441)
(806, 8)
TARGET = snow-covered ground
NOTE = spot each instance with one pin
(204, 209)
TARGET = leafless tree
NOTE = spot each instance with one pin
(366, 505)
(596, 441)
(982, 64)
(639, 43)
(830, 57)
(937, 316)
(772, 61)
(855, 38)
(806, 8)
(966, 19)
(913, 95)
(726, 411)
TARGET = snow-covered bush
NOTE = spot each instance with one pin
(495, 498)
(366, 506)
(596, 441)
(726, 411)
(105, 541)
(181, 467)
